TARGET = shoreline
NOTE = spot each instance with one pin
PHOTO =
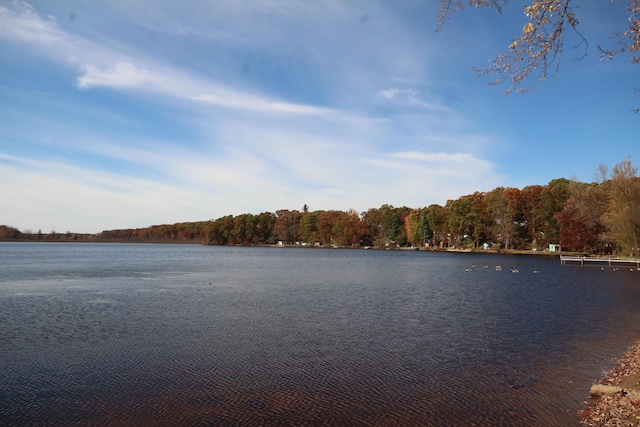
(615, 400)
(300, 246)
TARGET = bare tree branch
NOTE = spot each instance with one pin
(536, 55)
(629, 40)
(449, 7)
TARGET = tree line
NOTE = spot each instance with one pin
(601, 217)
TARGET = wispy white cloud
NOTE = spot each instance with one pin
(410, 98)
(253, 103)
(69, 198)
(23, 24)
(121, 75)
(440, 165)
(101, 66)
(440, 157)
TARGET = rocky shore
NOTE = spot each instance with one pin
(615, 402)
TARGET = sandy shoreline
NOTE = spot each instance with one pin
(620, 407)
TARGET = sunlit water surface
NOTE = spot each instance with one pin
(115, 334)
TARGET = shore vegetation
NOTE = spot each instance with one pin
(600, 217)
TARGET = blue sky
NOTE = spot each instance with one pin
(124, 114)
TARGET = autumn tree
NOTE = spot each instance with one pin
(7, 232)
(500, 216)
(209, 233)
(436, 216)
(552, 199)
(287, 225)
(385, 225)
(520, 239)
(532, 215)
(188, 231)
(582, 219)
(325, 226)
(624, 213)
(417, 227)
(348, 229)
(535, 55)
(239, 232)
(466, 218)
(218, 232)
(504, 214)
(244, 229)
(411, 225)
(251, 229)
(264, 227)
(225, 229)
(308, 227)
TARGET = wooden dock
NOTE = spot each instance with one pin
(564, 259)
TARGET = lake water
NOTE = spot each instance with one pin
(128, 334)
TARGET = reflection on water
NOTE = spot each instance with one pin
(182, 335)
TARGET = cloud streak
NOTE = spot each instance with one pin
(101, 66)
(23, 24)
(410, 98)
(121, 75)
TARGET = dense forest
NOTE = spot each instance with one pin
(601, 217)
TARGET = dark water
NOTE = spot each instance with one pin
(110, 334)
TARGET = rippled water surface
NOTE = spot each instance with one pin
(114, 334)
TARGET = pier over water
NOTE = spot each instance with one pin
(564, 259)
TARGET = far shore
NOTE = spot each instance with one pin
(544, 252)
(93, 239)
